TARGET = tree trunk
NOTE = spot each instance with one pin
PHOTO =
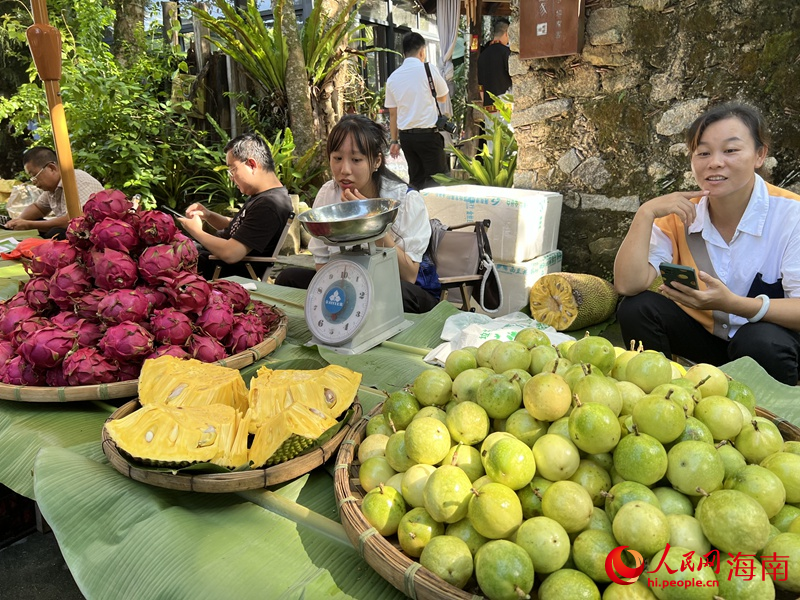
(128, 29)
(298, 95)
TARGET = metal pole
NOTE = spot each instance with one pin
(45, 43)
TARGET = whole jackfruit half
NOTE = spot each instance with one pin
(175, 437)
(189, 382)
(290, 409)
(568, 301)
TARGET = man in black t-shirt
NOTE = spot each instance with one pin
(255, 230)
(493, 73)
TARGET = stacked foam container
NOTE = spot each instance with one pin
(523, 234)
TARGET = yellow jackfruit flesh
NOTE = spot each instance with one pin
(176, 437)
(568, 301)
(188, 382)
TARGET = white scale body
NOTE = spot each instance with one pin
(354, 302)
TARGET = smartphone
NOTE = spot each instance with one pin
(174, 213)
(679, 273)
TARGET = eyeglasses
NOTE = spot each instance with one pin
(232, 170)
(35, 178)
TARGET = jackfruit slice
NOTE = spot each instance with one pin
(176, 437)
(568, 301)
(188, 382)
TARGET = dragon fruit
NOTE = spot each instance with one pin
(188, 292)
(106, 204)
(124, 305)
(6, 351)
(65, 319)
(86, 366)
(170, 350)
(78, 233)
(235, 293)
(266, 313)
(170, 326)
(114, 270)
(247, 331)
(17, 371)
(114, 234)
(126, 341)
(155, 227)
(26, 328)
(216, 319)
(49, 256)
(129, 370)
(56, 378)
(47, 347)
(17, 299)
(88, 333)
(187, 252)
(156, 298)
(132, 219)
(68, 284)
(205, 349)
(12, 317)
(37, 294)
(158, 262)
(86, 306)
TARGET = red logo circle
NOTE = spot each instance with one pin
(618, 571)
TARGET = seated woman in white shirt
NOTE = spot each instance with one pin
(356, 153)
(740, 234)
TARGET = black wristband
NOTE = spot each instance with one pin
(393, 142)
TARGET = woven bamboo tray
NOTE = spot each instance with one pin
(128, 389)
(225, 482)
(404, 573)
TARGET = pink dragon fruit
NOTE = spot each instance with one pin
(132, 219)
(78, 233)
(187, 252)
(86, 366)
(86, 306)
(126, 341)
(114, 270)
(187, 292)
(6, 351)
(129, 369)
(157, 298)
(12, 317)
(65, 319)
(114, 234)
(56, 378)
(88, 333)
(170, 350)
(170, 326)
(37, 294)
(26, 328)
(205, 349)
(49, 256)
(124, 305)
(216, 319)
(234, 292)
(17, 299)
(68, 284)
(247, 331)
(17, 371)
(158, 262)
(106, 204)
(47, 347)
(266, 313)
(156, 227)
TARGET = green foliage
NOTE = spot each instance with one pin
(495, 168)
(297, 174)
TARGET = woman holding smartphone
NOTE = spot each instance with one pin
(742, 237)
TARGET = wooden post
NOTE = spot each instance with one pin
(201, 45)
(45, 43)
(473, 93)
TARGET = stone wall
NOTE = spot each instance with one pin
(605, 127)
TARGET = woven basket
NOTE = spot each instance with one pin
(225, 482)
(404, 573)
(128, 389)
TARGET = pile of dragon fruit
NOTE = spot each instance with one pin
(121, 289)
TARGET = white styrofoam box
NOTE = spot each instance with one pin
(517, 279)
(524, 222)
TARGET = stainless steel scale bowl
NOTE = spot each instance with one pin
(352, 222)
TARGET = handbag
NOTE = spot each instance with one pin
(489, 293)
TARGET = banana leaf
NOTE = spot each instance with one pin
(781, 399)
(25, 428)
(123, 539)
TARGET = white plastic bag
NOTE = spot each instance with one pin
(472, 329)
(20, 197)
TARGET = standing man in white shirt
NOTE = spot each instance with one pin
(413, 114)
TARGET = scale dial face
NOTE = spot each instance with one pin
(337, 302)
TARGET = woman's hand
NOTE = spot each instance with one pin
(716, 296)
(352, 194)
(676, 203)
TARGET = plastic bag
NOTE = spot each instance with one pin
(472, 329)
(21, 196)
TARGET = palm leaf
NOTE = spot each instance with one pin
(783, 400)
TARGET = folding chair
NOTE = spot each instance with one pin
(251, 262)
(456, 254)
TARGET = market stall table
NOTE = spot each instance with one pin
(124, 539)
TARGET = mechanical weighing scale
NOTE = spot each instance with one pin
(354, 301)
